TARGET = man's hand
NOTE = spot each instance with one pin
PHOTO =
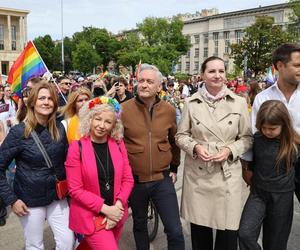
(19, 208)
(173, 176)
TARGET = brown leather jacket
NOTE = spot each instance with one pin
(149, 139)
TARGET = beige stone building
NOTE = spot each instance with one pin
(211, 33)
(13, 36)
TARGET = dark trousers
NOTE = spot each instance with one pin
(272, 210)
(164, 198)
(202, 238)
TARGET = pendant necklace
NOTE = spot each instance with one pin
(106, 174)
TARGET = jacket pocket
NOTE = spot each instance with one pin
(164, 146)
(134, 149)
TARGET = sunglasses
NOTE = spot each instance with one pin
(67, 83)
(171, 85)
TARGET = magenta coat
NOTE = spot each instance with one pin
(82, 177)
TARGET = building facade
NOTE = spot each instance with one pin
(13, 36)
(212, 34)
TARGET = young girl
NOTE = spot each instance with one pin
(270, 202)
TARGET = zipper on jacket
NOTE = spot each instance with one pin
(150, 151)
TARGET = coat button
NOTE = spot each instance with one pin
(230, 122)
(198, 101)
(200, 168)
(198, 123)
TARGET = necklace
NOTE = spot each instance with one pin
(106, 174)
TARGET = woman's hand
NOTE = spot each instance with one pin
(113, 212)
(19, 208)
(110, 224)
(202, 153)
(119, 204)
(222, 155)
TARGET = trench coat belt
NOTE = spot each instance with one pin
(213, 148)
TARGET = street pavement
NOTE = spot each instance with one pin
(11, 235)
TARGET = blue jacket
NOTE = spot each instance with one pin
(34, 182)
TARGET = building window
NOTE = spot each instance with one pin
(197, 38)
(197, 52)
(196, 69)
(227, 41)
(13, 37)
(188, 54)
(1, 37)
(179, 66)
(238, 36)
(205, 52)
(188, 38)
(205, 37)
(216, 43)
(187, 66)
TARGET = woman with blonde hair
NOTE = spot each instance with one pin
(99, 175)
(39, 146)
(70, 111)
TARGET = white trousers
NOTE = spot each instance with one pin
(57, 215)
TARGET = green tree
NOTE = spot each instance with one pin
(157, 41)
(104, 43)
(69, 46)
(85, 57)
(294, 18)
(259, 40)
(45, 47)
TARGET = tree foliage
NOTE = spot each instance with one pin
(259, 40)
(45, 46)
(163, 41)
(157, 41)
(85, 57)
(104, 43)
(294, 18)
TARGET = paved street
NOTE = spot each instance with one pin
(11, 236)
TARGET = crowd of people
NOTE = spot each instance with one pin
(77, 153)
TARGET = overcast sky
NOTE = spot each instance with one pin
(114, 15)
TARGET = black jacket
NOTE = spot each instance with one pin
(34, 182)
(266, 176)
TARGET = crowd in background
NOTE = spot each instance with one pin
(58, 128)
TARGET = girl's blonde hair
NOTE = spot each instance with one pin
(30, 119)
(274, 112)
(86, 115)
(69, 109)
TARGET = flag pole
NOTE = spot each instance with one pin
(58, 88)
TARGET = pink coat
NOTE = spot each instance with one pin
(82, 177)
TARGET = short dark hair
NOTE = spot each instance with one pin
(283, 53)
(211, 58)
(123, 81)
(59, 79)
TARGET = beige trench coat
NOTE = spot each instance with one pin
(212, 192)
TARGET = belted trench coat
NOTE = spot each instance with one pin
(212, 192)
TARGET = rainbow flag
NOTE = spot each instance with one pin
(29, 64)
(104, 74)
(272, 75)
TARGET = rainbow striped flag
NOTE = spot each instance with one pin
(272, 75)
(29, 64)
(104, 74)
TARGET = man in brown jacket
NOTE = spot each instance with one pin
(149, 130)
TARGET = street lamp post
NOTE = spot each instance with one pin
(62, 40)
